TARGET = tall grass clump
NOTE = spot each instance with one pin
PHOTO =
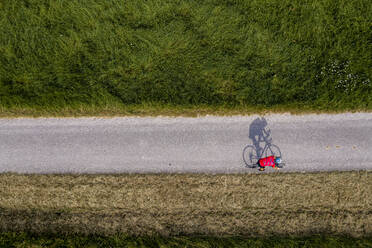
(212, 52)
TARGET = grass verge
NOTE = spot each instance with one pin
(266, 205)
(165, 110)
(29, 240)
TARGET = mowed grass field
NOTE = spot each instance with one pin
(169, 205)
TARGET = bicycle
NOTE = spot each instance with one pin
(251, 155)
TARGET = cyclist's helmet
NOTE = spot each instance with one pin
(278, 160)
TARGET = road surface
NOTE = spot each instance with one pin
(177, 145)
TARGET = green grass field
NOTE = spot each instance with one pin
(84, 55)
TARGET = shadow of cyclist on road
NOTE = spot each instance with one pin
(258, 134)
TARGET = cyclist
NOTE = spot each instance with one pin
(269, 161)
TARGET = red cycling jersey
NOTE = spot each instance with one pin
(268, 161)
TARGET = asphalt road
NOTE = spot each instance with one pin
(176, 145)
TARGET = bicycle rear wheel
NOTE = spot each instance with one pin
(250, 156)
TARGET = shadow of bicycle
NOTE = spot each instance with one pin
(262, 145)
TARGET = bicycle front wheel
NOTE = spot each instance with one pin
(250, 156)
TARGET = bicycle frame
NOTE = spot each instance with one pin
(267, 146)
